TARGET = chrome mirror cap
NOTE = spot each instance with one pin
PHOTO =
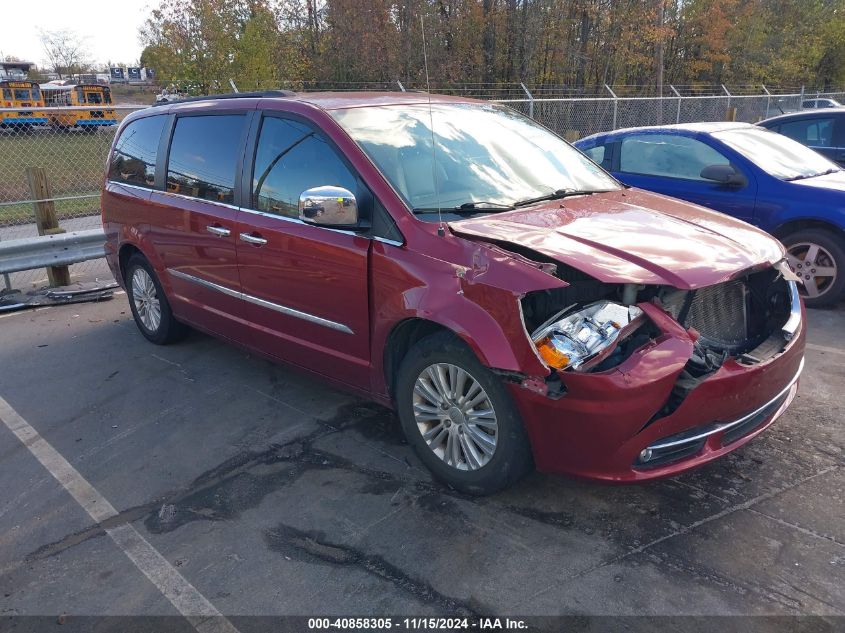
(328, 206)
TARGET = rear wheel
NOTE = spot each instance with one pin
(818, 257)
(149, 305)
(459, 417)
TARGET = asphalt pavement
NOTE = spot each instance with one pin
(200, 472)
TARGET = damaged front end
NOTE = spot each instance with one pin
(641, 352)
(593, 326)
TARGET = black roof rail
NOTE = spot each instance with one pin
(231, 95)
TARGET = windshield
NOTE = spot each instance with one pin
(484, 154)
(776, 154)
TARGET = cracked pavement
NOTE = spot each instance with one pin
(274, 494)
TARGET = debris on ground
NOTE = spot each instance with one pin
(11, 300)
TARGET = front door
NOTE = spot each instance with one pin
(671, 164)
(305, 287)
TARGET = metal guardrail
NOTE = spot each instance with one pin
(60, 249)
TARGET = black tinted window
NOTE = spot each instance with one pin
(814, 132)
(291, 158)
(134, 157)
(204, 155)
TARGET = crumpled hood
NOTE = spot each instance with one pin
(632, 236)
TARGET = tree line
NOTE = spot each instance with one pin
(579, 44)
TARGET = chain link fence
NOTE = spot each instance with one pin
(575, 117)
(73, 159)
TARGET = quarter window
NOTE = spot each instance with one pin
(814, 132)
(667, 155)
(204, 155)
(596, 153)
(134, 158)
(291, 157)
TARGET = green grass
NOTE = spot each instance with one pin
(23, 212)
(73, 161)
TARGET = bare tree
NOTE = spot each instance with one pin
(66, 51)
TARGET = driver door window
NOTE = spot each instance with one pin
(667, 155)
(291, 157)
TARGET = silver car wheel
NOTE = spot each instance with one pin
(814, 265)
(455, 416)
(145, 298)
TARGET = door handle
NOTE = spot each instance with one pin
(253, 239)
(218, 230)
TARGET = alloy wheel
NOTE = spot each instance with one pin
(455, 416)
(145, 298)
(814, 265)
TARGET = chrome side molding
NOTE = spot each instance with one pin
(305, 316)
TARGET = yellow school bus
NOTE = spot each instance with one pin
(26, 99)
(67, 98)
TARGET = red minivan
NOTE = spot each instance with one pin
(453, 259)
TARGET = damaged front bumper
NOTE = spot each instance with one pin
(609, 425)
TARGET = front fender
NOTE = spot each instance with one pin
(480, 302)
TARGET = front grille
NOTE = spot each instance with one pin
(719, 313)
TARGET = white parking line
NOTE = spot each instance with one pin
(202, 615)
(822, 348)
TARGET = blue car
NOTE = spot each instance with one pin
(747, 172)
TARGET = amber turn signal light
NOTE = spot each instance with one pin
(553, 356)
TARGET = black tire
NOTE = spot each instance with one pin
(511, 458)
(168, 329)
(833, 291)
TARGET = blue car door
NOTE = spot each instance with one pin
(671, 164)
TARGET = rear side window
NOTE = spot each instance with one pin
(204, 156)
(815, 132)
(667, 155)
(291, 158)
(134, 158)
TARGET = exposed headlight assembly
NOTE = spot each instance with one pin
(570, 341)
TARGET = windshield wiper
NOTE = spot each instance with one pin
(805, 176)
(468, 207)
(557, 195)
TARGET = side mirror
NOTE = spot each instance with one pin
(724, 174)
(328, 206)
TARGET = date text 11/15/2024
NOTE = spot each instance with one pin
(415, 624)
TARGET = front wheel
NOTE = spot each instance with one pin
(818, 258)
(459, 417)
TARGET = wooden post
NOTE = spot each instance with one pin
(731, 114)
(45, 219)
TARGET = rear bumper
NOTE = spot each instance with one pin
(600, 427)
